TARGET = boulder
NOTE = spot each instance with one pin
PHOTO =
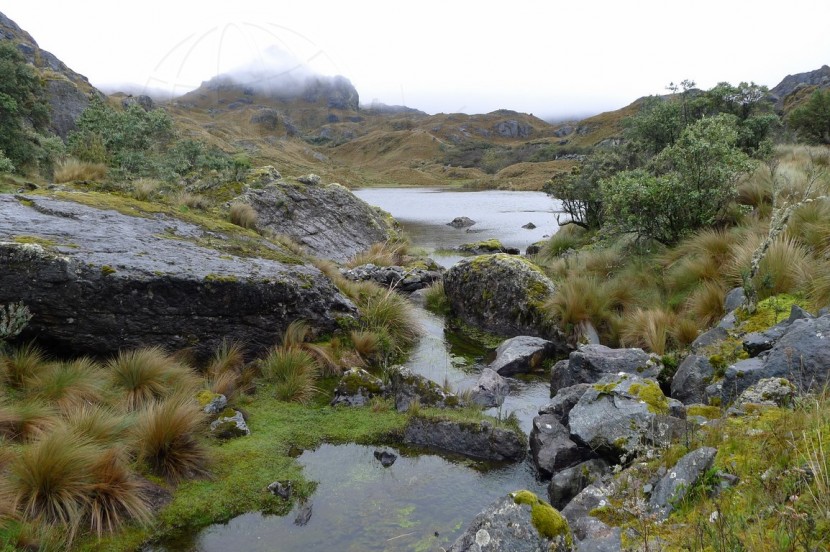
(563, 402)
(99, 281)
(408, 387)
(769, 392)
(589, 363)
(328, 220)
(740, 376)
(518, 522)
(620, 415)
(534, 248)
(406, 280)
(591, 497)
(522, 354)
(461, 222)
(485, 247)
(212, 403)
(802, 354)
(734, 299)
(569, 482)
(673, 486)
(691, 379)
(478, 440)
(490, 390)
(529, 226)
(756, 343)
(551, 447)
(357, 387)
(502, 294)
(229, 425)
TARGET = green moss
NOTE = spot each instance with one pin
(649, 392)
(545, 518)
(205, 396)
(709, 412)
(41, 241)
(106, 270)
(220, 278)
(492, 245)
(769, 312)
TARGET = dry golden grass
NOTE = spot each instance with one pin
(649, 329)
(69, 385)
(705, 304)
(73, 170)
(787, 266)
(115, 495)
(192, 201)
(242, 214)
(388, 253)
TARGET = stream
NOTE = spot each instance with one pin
(424, 500)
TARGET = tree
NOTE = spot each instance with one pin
(812, 120)
(579, 190)
(686, 187)
(21, 106)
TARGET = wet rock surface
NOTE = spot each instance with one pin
(407, 387)
(104, 281)
(461, 222)
(523, 354)
(406, 280)
(490, 390)
(330, 221)
(551, 446)
(479, 440)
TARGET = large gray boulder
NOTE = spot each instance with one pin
(98, 281)
(689, 383)
(621, 415)
(769, 392)
(522, 354)
(563, 402)
(480, 440)
(329, 220)
(673, 486)
(490, 390)
(551, 447)
(502, 294)
(357, 387)
(518, 522)
(590, 363)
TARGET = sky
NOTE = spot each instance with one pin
(552, 58)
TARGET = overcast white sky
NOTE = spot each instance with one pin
(549, 58)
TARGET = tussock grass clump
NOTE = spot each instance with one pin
(290, 244)
(787, 266)
(388, 253)
(144, 375)
(810, 225)
(297, 336)
(166, 438)
(568, 237)
(705, 304)
(192, 201)
(21, 363)
(27, 420)
(71, 170)
(293, 372)
(366, 344)
(69, 385)
(145, 189)
(51, 480)
(389, 312)
(436, 299)
(578, 300)
(649, 329)
(98, 424)
(242, 214)
(115, 495)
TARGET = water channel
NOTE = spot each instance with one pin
(423, 501)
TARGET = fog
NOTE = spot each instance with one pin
(556, 60)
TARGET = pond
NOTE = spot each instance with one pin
(423, 501)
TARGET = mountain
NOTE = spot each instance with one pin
(68, 92)
(793, 89)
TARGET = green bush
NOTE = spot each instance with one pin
(812, 120)
(22, 106)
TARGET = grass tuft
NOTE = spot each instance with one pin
(294, 372)
(116, 496)
(69, 385)
(71, 170)
(21, 363)
(242, 214)
(145, 375)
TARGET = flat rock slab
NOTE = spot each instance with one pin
(590, 363)
(98, 281)
(473, 439)
(679, 479)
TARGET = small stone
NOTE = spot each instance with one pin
(529, 226)
(385, 458)
(281, 489)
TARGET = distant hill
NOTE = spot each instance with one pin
(68, 92)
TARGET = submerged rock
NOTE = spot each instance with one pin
(461, 222)
(329, 220)
(282, 489)
(99, 281)
(502, 294)
(473, 439)
(490, 390)
(518, 522)
(486, 247)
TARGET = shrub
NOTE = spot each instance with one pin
(72, 170)
(812, 120)
(293, 371)
(166, 438)
(23, 106)
(242, 214)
